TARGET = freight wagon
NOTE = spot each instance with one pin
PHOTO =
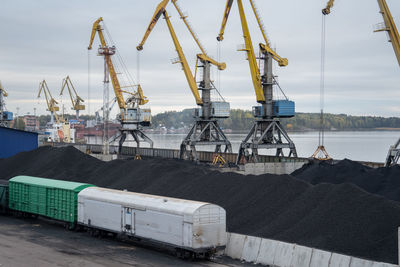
(190, 227)
(54, 199)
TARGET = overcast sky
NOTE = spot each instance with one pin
(48, 39)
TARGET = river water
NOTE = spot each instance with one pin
(355, 145)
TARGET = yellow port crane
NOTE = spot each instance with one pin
(76, 100)
(388, 26)
(5, 116)
(131, 116)
(3, 91)
(327, 9)
(267, 132)
(51, 102)
(205, 130)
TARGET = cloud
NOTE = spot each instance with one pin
(48, 40)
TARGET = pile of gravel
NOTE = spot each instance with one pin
(335, 217)
(381, 181)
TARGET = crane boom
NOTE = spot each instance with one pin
(390, 28)
(228, 7)
(282, 62)
(3, 91)
(203, 56)
(51, 102)
(160, 10)
(328, 7)
(76, 100)
(114, 79)
(254, 70)
(182, 59)
(266, 47)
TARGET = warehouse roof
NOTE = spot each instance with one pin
(50, 183)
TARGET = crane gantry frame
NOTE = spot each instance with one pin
(76, 100)
(267, 132)
(206, 130)
(131, 116)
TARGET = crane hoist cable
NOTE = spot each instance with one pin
(321, 153)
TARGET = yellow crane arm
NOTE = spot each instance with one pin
(77, 102)
(160, 9)
(390, 28)
(182, 59)
(51, 102)
(114, 79)
(3, 91)
(142, 99)
(203, 56)
(255, 72)
(97, 28)
(328, 7)
(228, 7)
(183, 17)
(266, 47)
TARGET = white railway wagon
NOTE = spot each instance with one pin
(183, 224)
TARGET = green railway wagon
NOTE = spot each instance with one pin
(47, 197)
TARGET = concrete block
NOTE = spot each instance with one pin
(251, 248)
(267, 251)
(228, 236)
(356, 262)
(249, 168)
(283, 254)
(234, 247)
(259, 168)
(301, 256)
(320, 258)
(382, 264)
(338, 260)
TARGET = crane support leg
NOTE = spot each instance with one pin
(265, 134)
(204, 133)
(393, 156)
(206, 130)
(138, 135)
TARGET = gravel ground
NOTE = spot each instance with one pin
(41, 243)
(339, 217)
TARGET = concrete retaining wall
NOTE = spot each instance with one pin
(272, 167)
(281, 254)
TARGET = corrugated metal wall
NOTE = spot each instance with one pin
(13, 141)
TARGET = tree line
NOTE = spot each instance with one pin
(241, 120)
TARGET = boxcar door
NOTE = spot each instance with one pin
(128, 220)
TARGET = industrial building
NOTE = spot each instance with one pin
(13, 141)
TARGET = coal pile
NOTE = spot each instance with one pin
(336, 217)
(381, 181)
